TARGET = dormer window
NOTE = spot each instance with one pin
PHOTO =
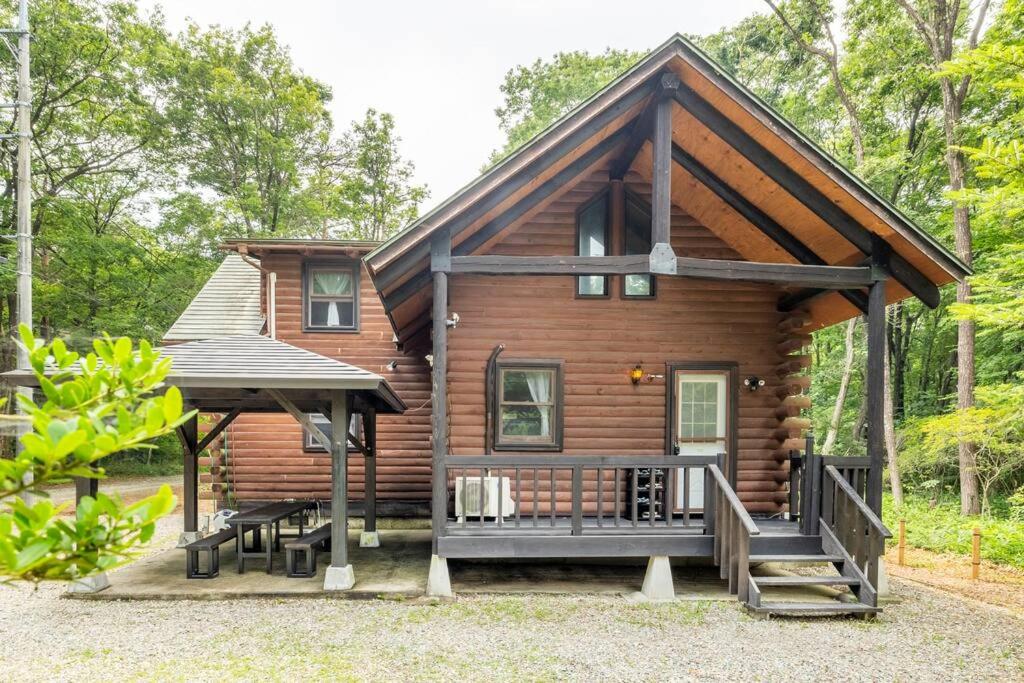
(331, 296)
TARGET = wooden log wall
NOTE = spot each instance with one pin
(265, 459)
(600, 340)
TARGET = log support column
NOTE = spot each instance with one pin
(188, 433)
(876, 377)
(370, 538)
(663, 259)
(340, 575)
(438, 583)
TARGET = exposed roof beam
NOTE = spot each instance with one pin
(668, 81)
(516, 181)
(515, 212)
(756, 217)
(785, 274)
(803, 191)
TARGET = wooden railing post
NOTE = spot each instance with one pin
(577, 500)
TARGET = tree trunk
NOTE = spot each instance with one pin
(844, 386)
(970, 503)
(890, 441)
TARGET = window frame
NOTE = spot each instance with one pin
(498, 443)
(311, 445)
(631, 196)
(309, 266)
(602, 196)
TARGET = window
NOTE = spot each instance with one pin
(331, 293)
(637, 240)
(592, 240)
(323, 423)
(528, 406)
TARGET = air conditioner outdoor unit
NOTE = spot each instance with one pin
(469, 492)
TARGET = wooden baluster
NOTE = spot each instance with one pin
(669, 497)
(618, 497)
(600, 496)
(635, 495)
(501, 488)
(577, 501)
(482, 470)
(519, 495)
(536, 496)
(686, 496)
(554, 497)
(465, 512)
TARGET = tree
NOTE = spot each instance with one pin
(537, 95)
(377, 194)
(942, 26)
(247, 126)
(104, 403)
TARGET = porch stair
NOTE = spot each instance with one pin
(861, 599)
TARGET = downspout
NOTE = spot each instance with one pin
(488, 395)
(272, 304)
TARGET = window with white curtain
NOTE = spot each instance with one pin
(355, 426)
(331, 292)
(528, 410)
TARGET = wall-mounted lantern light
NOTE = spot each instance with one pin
(636, 374)
(753, 383)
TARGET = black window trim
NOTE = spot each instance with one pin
(558, 416)
(310, 445)
(631, 196)
(310, 264)
(602, 196)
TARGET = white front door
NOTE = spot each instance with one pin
(700, 429)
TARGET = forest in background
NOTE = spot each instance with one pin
(150, 148)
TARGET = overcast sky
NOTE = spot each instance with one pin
(436, 66)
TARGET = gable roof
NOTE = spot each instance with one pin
(228, 304)
(596, 131)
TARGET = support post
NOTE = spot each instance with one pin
(876, 385)
(370, 538)
(188, 433)
(658, 579)
(339, 576)
(438, 582)
(662, 256)
(85, 486)
(23, 195)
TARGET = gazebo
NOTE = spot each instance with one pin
(227, 376)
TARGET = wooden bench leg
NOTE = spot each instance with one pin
(214, 562)
(311, 561)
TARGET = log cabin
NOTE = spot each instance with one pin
(599, 345)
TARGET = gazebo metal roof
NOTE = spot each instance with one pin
(223, 373)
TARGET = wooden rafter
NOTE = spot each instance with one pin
(803, 191)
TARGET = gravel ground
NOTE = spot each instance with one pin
(928, 635)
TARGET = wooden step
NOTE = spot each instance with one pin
(795, 558)
(825, 609)
(805, 581)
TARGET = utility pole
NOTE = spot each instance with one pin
(23, 107)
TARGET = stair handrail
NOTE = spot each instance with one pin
(855, 527)
(733, 529)
(859, 502)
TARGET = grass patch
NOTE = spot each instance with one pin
(942, 529)
(662, 614)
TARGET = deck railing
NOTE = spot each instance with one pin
(577, 495)
(732, 529)
(852, 523)
(807, 482)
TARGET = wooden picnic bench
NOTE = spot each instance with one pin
(268, 516)
(211, 546)
(309, 544)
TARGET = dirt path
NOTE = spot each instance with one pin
(998, 584)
